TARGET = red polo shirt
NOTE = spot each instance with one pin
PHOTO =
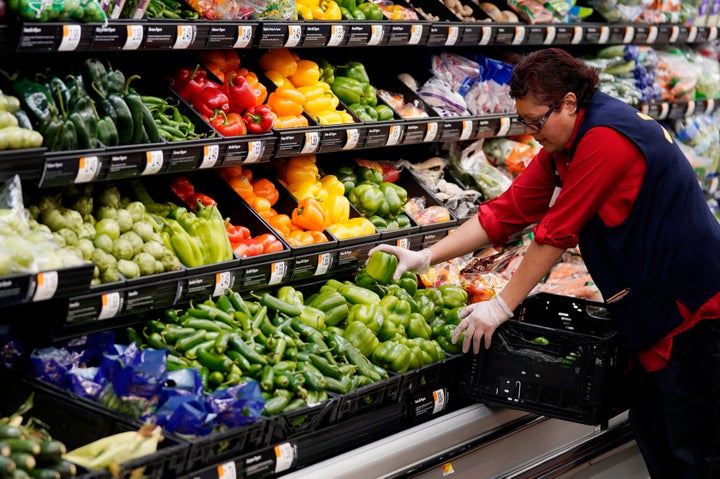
(603, 178)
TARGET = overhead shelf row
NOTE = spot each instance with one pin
(130, 35)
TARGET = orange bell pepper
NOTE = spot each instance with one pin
(296, 121)
(276, 77)
(318, 236)
(265, 188)
(302, 237)
(261, 206)
(308, 73)
(333, 185)
(281, 223)
(281, 60)
(242, 187)
(309, 215)
(302, 168)
(286, 101)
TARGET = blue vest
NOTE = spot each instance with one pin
(667, 250)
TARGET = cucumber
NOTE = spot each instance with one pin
(7, 466)
(23, 460)
(6, 430)
(67, 469)
(18, 474)
(43, 473)
(50, 452)
(30, 446)
(4, 449)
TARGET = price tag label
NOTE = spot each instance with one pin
(692, 34)
(577, 35)
(227, 471)
(674, 34)
(223, 281)
(712, 34)
(710, 105)
(629, 34)
(46, 285)
(690, 108)
(284, 456)
(550, 35)
(432, 131)
(519, 36)
(337, 33)
(438, 400)
(323, 264)
(185, 36)
(154, 162)
(452, 35)
(87, 169)
(110, 305)
(604, 34)
(394, 134)
(353, 136)
(416, 32)
(243, 40)
(664, 110)
(403, 242)
(505, 123)
(277, 272)
(312, 141)
(486, 35)
(294, 35)
(70, 37)
(466, 131)
(377, 32)
(134, 37)
(652, 34)
(255, 151)
(210, 156)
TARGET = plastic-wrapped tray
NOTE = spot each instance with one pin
(559, 356)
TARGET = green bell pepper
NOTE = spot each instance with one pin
(327, 70)
(425, 307)
(333, 304)
(364, 112)
(396, 309)
(435, 297)
(346, 175)
(367, 198)
(452, 315)
(403, 220)
(366, 174)
(290, 295)
(313, 317)
(348, 90)
(391, 328)
(418, 327)
(369, 314)
(361, 337)
(378, 222)
(357, 295)
(384, 112)
(393, 200)
(452, 295)
(381, 266)
(392, 355)
(372, 11)
(369, 96)
(433, 349)
(409, 282)
(354, 70)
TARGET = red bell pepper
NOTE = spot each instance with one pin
(182, 187)
(204, 200)
(228, 124)
(259, 118)
(236, 232)
(247, 247)
(210, 99)
(240, 92)
(187, 82)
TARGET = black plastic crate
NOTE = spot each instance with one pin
(559, 357)
(304, 420)
(369, 398)
(76, 422)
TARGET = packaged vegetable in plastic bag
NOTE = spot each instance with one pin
(473, 167)
(49, 11)
(245, 9)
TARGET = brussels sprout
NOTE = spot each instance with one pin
(144, 229)
(108, 227)
(129, 269)
(122, 249)
(104, 243)
(124, 219)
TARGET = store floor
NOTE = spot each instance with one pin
(626, 463)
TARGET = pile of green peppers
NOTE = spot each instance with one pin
(360, 10)
(351, 84)
(382, 202)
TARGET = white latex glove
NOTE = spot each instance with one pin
(480, 320)
(408, 260)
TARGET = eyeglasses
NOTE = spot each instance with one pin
(537, 124)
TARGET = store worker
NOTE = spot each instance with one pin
(612, 180)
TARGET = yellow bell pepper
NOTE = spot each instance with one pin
(363, 225)
(276, 77)
(281, 60)
(305, 189)
(327, 101)
(333, 185)
(336, 209)
(308, 73)
(302, 168)
(328, 117)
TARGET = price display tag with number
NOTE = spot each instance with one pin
(505, 123)
(243, 39)
(337, 33)
(403, 242)
(323, 264)
(353, 136)
(71, 35)
(110, 305)
(294, 35)
(452, 35)
(134, 37)
(467, 128)
(377, 32)
(486, 35)
(87, 169)
(222, 283)
(46, 285)
(394, 135)
(255, 151)
(154, 162)
(277, 272)
(284, 456)
(438, 400)
(210, 156)
(432, 131)
(185, 36)
(312, 141)
(550, 35)
(227, 471)
(416, 32)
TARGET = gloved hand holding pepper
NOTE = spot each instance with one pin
(480, 320)
(408, 260)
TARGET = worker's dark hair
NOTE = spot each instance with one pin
(549, 74)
